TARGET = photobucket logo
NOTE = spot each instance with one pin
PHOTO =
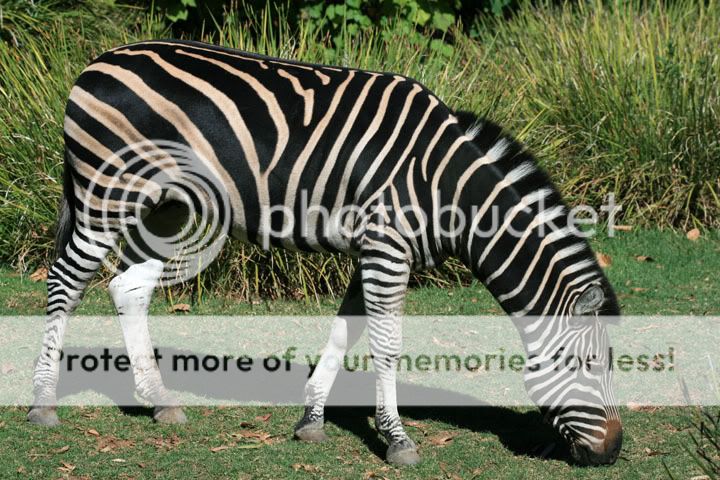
(193, 218)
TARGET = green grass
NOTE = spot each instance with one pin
(612, 99)
(486, 443)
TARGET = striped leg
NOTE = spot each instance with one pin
(67, 279)
(345, 333)
(131, 292)
(385, 274)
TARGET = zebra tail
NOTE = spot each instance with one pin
(66, 220)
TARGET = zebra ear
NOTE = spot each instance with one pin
(589, 301)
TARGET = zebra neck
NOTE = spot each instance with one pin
(515, 235)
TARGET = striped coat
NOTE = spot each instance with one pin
(321, 158)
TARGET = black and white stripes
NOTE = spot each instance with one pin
(327, 159)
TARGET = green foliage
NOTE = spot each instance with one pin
(176, 10)
(611, 99)
(430, 21)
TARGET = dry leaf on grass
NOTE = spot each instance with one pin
(448, 474)
(62, 449)
(92, 432)
(67, 467)
(651, 453)
(644, 258)
(180, 307)
(637, 407)
(693, 234)
(263, 418)
(305, 467)
(111, 443)
(39, 275)
(603, 259)
(220, 448)
(415, 424)
(441, 439)
(622, 228)
(255, 435)
(162, 443)
(638, 289)
(119, 460)
(7, 368)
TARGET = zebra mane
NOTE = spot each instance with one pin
(486, 134)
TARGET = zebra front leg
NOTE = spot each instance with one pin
(131, 292)
(384, 286)
(345, 333)
(81, 257)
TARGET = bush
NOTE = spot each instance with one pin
(612, 99)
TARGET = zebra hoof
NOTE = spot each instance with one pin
(311, 432)
(46, 416)
(403, 453)
(169, 415)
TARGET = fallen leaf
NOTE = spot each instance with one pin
(119, 460)
(141, 465)
(62, 449)
(700, 477)
(419, 425)
(603, 259)
(39, 275)
(66, 467)
(21, 469)
(441, 439)
(448, 474)
(263, 418)
(162, 443)
(651, 453)
(644, 258)
(220, 448)
(305, 467)
(637, 407)
(7, 368)
(638, 289)
(257, 435)
(180, 307)
(693, 234)
(622, 228)
(93, 432)
(111, 443)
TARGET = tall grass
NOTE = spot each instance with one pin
(619, 99)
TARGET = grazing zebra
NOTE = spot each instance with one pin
(272, 137)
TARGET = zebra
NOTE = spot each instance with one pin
(271, 132)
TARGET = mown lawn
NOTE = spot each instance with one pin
(255, 442)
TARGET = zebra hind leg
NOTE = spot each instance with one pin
(345, 333)
(67, 279)
(131, 292)
(143, 265)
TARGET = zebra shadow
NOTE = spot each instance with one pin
(523, 432)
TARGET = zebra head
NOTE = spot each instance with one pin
(569, 372)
